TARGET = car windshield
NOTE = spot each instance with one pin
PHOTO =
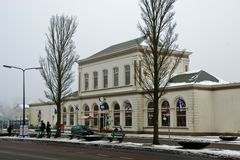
(84, 127)
(80, 127)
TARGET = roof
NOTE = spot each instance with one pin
(21, 106)
(73, 94)
(196, 77)
(119, 47)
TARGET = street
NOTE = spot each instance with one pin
(26, 150)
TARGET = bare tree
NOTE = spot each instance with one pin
(159, 57)
(59, 60)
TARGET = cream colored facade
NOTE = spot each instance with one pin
(209, 109)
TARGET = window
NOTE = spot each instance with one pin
(64, 116)
(128, 113)
(165, 113)
(39, 116)
(186, 68)
(71, 116)
(116, 115)
(79, 81)
(150, 114)
(95, 80)
(115, 76)
(127, 75)
(86, 80)
(105, 78)
(95, 115)
(181, 112)
(86, 110)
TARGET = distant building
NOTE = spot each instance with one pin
(195, 103)
(17, 112)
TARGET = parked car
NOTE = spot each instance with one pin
(80, 130)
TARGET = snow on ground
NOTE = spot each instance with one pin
(207, 151)
(197, 138)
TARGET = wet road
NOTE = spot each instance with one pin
(24, 150)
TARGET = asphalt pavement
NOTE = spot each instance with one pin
(144, 142)
(229, 145)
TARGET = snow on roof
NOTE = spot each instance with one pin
(195, 77)
(21, 105)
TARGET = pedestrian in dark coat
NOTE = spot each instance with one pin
(9, 129)
(48, 130)
(42, 129)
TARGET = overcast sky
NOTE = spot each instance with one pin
(208, 28)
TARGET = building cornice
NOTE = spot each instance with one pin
(134, 92)
(204, 87)
(41, 104)
(122, 53)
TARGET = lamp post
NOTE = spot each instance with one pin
(23, 71)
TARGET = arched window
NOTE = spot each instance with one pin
(86, 110)
(116, 115)
(150, 114)
(71, 116)
(64, 116)
(165, 113)
(128, 113)
(181, 112)
(95, 115)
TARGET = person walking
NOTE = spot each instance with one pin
(9, 129)
(42, 129)
(48, 130)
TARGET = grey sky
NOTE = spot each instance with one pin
(208, 28)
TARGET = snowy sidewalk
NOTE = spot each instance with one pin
(209, 152)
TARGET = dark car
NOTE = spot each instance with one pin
(80, 130)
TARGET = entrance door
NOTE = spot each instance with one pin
(104, 125)
(101, 122)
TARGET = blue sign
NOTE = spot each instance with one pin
(104, 106)
(180, 104)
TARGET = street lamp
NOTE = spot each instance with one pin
(23, 70)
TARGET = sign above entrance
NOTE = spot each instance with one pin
(104, 106)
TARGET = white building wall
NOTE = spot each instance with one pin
(226, 110)
(47, 114)
(108, 64)
(204, 112)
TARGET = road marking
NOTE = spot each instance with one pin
(125, 158)
(28, 155)
(103, 155)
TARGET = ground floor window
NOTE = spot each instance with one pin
(150, 114)
(116, 115)
(71, 116)
(95, 116)
(165, 112)
(64, 116)
(128, 113)
(181, 113)
(86, 113)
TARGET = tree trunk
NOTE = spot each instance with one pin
(155, 131)
(58, 133)
(155, 91)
